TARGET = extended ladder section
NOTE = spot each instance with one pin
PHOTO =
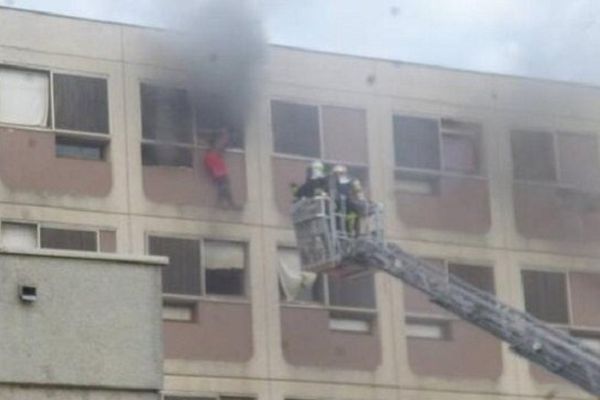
(323, 248)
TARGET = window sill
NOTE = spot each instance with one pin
(41, 129)
(192, 299)
(363, 312)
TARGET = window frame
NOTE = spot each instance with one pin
(359, 313)
(178, 298)
(42, 225)
(441, 131)
(321, 156)
(431, 177)
(558, 182)
(102, 139)
(194, 145)
(570, 326)
(577, 331)
(444, 319)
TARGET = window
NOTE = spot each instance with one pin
(18, 235)
(201, 267)
(174, 128)
(79, 105)
(569, 160)
(424, 320)
(68, 239)
(427, 148)
(546, 295)
(331, 133)
(166, 114)
(83, 149)
(349, 299)
(296, 129)
(567, 299)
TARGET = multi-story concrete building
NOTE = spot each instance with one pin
(493, 177)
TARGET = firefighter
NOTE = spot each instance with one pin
(349, 198)
(316, 183)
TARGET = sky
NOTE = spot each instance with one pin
(552, 39)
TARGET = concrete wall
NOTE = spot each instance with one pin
(95, 322)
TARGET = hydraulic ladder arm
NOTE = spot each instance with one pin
(325, 246)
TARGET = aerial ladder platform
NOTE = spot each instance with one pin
(326, 244)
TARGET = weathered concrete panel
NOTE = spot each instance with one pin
(96, 320)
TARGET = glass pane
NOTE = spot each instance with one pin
(296, 129)
(416, 142)
(461, 153)
(533, 156)
(480, 277)
(68, 239)
(81, 103)
(352, 292)
(578, 160)
(67, 147)
(166, 114)
(182, 275)
(546, 295)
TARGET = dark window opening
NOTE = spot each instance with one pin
(182, 275)
(296, 129)
(80, 103)
(225, 282)
(68, 239)
(416, 142)
(355, 292)
(214, 114)
(478, 276)
(166, 114)
(83, 149)
(546, 295)
(225, 267)
(533, 156)
(153, 155)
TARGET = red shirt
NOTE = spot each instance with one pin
(215, 164)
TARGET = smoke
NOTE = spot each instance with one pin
(225, 46)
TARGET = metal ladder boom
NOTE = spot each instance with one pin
(544, 345)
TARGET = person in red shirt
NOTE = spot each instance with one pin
(215, 165)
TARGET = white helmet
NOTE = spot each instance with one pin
(317, 170)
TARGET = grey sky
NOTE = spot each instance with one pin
(557, 39)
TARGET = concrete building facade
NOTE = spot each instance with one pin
(494, 178)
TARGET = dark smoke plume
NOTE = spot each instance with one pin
(226, 46)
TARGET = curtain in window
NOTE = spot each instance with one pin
(294, 281)
(24, 97)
